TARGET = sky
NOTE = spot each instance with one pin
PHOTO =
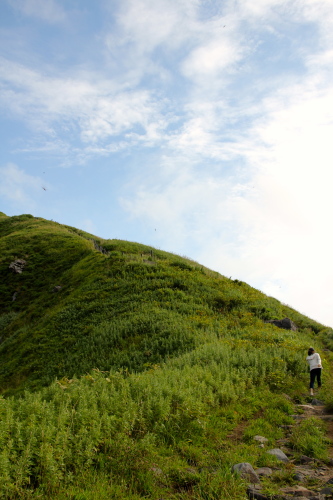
(200, 127)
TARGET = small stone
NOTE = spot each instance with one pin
(246, 471)
(255, 495)
(305, 460)
(261, 439)
(317, 402)
(279, 454)
(156, 471)
(298, 491)
(264, 471)
(327, 491)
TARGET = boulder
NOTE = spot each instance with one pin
(285, 323)
(246, 471)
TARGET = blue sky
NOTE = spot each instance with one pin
(200, 127)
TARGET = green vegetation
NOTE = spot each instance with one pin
(309, 438)
(129, 372)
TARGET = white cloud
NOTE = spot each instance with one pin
(211, 58)
(96, 111)
(47, 10)
(18, 187)
(269, 224)
(285, 220)
(148, 24)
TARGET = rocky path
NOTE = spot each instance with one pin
(313, 478)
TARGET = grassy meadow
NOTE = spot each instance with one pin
(127, 372)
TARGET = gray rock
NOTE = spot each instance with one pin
(317, 402)
(17, 266)
(260, 439)
(264, 471)
(279, 454)
(285, 323)
(57, 288)
(246, 471)
(305, 460)
(156, 471)
(327, 491)
(256, 495)
(298, 491)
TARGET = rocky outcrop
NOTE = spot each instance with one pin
(17, 266)
(99, 247)
(285, 323)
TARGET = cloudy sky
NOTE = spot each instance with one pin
(201, 127)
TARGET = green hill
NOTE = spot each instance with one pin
(157, 360)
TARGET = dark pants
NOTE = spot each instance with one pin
(315, 372)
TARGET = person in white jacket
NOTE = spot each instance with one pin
(315, 368)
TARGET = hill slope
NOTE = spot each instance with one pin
(166, 372)
(83, 303)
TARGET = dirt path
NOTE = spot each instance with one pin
(314, 477)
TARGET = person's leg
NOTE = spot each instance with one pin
(312, 380)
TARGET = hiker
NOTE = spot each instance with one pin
(315, 368)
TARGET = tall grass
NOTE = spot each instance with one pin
(122, 424)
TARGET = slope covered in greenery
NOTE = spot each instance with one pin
(130, 307)
(158, 362)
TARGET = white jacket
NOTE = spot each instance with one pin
(314, 361)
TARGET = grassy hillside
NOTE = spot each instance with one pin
(130, 307)
(158, 362)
